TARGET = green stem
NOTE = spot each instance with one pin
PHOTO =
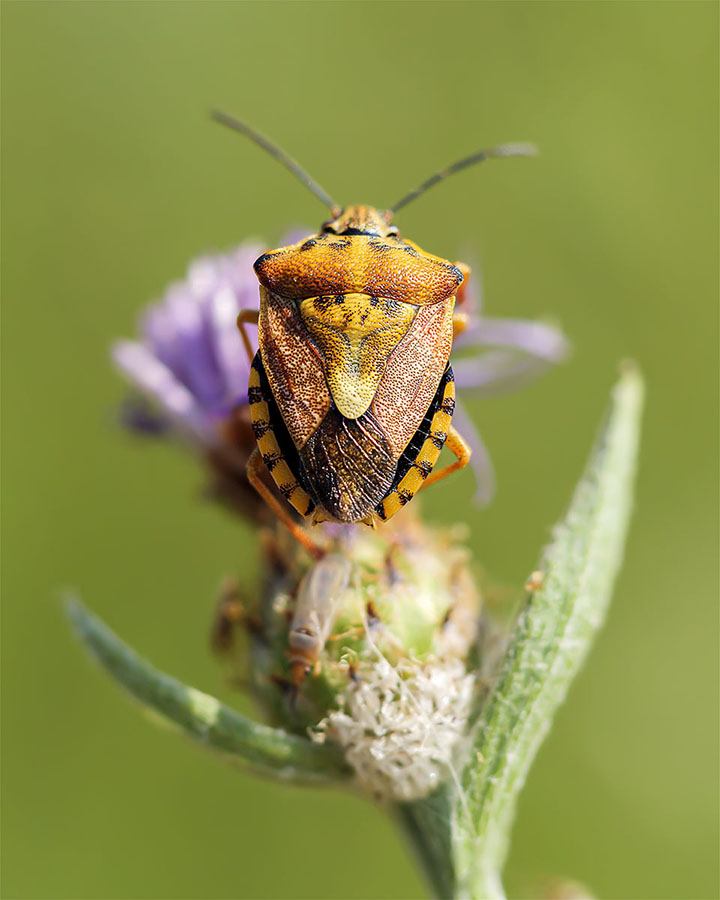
(268, 751)
(425, 825)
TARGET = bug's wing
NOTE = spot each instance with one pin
(412, 374)
(293, 367)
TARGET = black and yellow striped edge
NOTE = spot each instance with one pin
(428, 455)
(269, 447)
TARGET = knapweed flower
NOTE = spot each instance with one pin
(375, 661)
(191, 365)
(369, 647)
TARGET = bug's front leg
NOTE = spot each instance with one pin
(462, 451)
(254, 467)
(460, 316)
(247, 317)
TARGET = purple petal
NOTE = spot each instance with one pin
(156, 380)
(158, 329)
(237, 269)
(497, 372)
(534, 338)
(227, 342)
(197, 366)
(524, 350)
(480, 461)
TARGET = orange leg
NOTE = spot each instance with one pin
(460, 296)
(254, 467)
(247, 317)
(351, 632)
(461, 450)
(460, 317)
(460, 322)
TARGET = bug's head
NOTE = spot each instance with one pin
(360, 220)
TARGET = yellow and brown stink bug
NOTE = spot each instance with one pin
(351, 391)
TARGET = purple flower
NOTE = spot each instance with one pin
(190, 363)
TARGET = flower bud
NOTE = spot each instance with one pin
(367, 647)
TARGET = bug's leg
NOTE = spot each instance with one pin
(247, 317)
(460, 322)
(254, 467)
(461, 318)
(461, 450)
(354, 632)
(460, 297)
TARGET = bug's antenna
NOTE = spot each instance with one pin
(479, 156)
(274, 150)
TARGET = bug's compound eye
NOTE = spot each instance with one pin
(393, 231)
(329, 227)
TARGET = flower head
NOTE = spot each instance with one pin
(368, 649)
(401, 726)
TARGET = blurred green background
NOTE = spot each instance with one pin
(114, 179)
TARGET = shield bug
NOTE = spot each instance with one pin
(351, 391)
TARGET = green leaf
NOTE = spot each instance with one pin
(268, 751)
(552, 636)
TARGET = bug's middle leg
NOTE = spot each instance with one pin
(460, 316)
(254, 467)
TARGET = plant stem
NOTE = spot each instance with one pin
(425, 823)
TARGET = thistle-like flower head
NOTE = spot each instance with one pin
(377, 659)
(370, 647)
